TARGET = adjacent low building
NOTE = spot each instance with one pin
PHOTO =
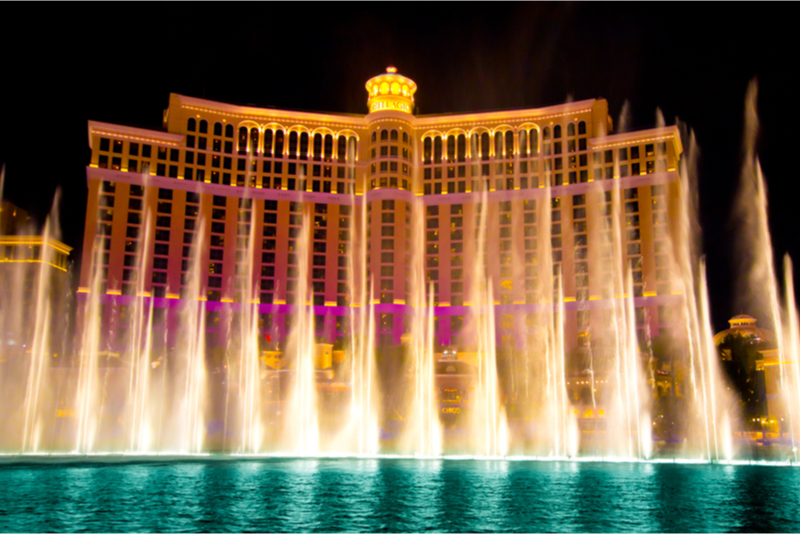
(30, 263)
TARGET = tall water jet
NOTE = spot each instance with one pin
(190, 360)
(246, 330)
(87, 401)
(488, 425)
(758, 280)
(717, 397)
(791, 382)
(303, 420)
(363, 383)
(547, 405)
(710, 405)
(140, 342)
(616, 358)
(424, 433)
(757, 290)
(37, 385)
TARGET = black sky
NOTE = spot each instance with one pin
(63, 65)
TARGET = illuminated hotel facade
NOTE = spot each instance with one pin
(243, 171)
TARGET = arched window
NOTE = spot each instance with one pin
(393, 135)
(191, 125)
(485, 145)
(427, 147)
(557, 131)
(293, 145)
(405, 137)
(437, 150)
(341, 149)
(546, 133)
(533, 140)
(203, 126)
(523, 143)
(384, 135)
(462, 148)
(570, 129)
(509, 144)
(242, 140)
(451, 148)
(351, 150)
(279, 144)
(328, 147)
(304, 145)
(218, 129)
(498, 145)
(374, 136)
(229, 131)
(317, 147)
(582, 128)
(268, 143)
(254, 141)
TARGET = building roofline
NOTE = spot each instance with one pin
(637, 136)
(513, 114)
(35, 240)
(130, 132)
(359, 120)
(222, 108)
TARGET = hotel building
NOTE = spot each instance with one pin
(240, 171)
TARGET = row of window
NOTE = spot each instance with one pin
(527, 144)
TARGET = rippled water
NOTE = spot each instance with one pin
(395, 495)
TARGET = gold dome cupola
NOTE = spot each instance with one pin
(391, 92)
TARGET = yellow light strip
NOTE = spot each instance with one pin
(330, 122)
(635, 141)
(34, 240)
(33, 261)
(498, 118)
(136, 138)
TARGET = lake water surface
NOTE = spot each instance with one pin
(394, 495)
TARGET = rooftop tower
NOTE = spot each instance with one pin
(391, 91)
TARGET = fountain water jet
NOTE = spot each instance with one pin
(37, 383)
(140, 348)
(303, 423)
(758, 279)
(363, 384)
(423, 436)
(249, 379)
(191, 364)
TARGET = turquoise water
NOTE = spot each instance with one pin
(395, 495)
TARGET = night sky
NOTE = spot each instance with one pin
(62, 66)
